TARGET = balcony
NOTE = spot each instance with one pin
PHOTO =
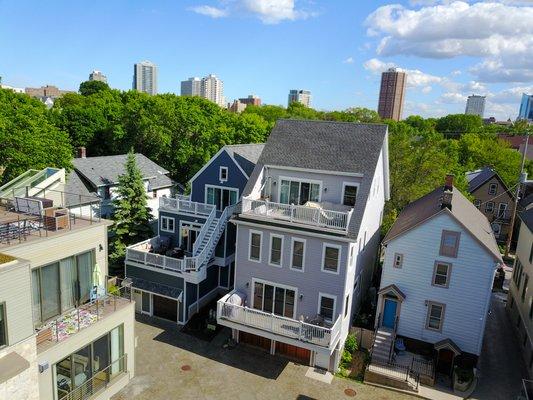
(304, 332)
(71, 322)
(185, 205)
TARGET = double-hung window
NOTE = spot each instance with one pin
(524, 289)
(276, 250)
(223, 174)
(477, 203)
(331, 257)
(449, 244)
(326, 306)
(489, 207)
(502, 210)
(435, 316)
(441, 274)
(298, 254)
(493, 189)
(298, 192)
(398, 260)
(349, 195)
(3, 325)
(167, 224)
(255, 246)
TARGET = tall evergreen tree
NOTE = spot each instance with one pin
(132, 215)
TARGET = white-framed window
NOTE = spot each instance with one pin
(502, 210)
(276, 250)
(256, 239)
(274, 298)
(435, 316)
(489, 207)
(441, 274)
(167, 224)
(496, 228)
(223, 174)
(398, 260)
(221, 197)
(298, 254)
(326, 306)
(352, 255)
(349, 193)
(299, 192)
(493, 189)
(449, 244)
(346, 305)
(477, 203)
(331, 258)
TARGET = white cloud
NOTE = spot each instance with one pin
(501, 34)
(349, 60)
(268, 11)
(209, 11)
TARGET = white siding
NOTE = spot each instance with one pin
(467, 297)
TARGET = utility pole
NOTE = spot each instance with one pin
(518, 187)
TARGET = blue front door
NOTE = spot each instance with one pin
(389, 313)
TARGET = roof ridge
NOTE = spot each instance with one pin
(331, 122)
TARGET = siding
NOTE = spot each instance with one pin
(177, 218)
(467, 297)
(153, 276)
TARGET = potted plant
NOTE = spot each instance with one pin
(462, 378)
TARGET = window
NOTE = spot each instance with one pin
(189, 232)
(276, 299)
(477, 203)
(449, 244)
(349, 195)
(398, 260)
(298, 254)
(524, 289)
(276, 249)
(493, 189)
(3, 325)
(220, 197)
(441, 274)
(489, 207)
(223, 174)
(331, 258)
(435, 316)
(531, 254)
(167, 224)
(154, 194)
(298, 192)
(496, 229)
(517, 273)
(326, 306)
(255, 246)
(502, 210)
(107, 192)
(346, 305)
(352, 251)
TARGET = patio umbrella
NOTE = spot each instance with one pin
(96, 275)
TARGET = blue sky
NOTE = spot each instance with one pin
(334, 48)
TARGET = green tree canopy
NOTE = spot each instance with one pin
(91, 87)
(455, 125)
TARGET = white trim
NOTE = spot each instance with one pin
(213, 159)
(164, 217)
(336, 246)
(344, 184)
(295, 239)
(351, 256)
(319, 171)
(208, 185)
(275, 285)
(260, 233)
(193, 225)
(275, 235)
(220, 169)
(299, 180)
(329, 296)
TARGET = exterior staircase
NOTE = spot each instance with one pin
(210, 230)
(381, 350)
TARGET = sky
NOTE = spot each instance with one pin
(337, 49)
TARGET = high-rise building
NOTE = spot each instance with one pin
(212, 89)
(391, 94)
(300, 96)
(526, 107)
(251, 100)
(237, 106)
(97, 76)
(191, 87)
(475, 105)
(145, 77)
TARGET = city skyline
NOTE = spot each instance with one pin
(342, 69)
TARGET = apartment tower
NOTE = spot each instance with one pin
(212, 89)
(300, 96)
(191, 87)
(475, 105)
(145, 77)
(391, 94)
(97, 76)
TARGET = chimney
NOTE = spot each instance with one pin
(448, 182)
(448, 192)
(81, 152)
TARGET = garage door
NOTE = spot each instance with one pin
(293, 352)
(165, 308)
(254, 340)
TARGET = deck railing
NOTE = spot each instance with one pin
(183, 204)
(315, 216)
(99, 381)
(288, 327)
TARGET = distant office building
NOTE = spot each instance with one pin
(300, 96)
(212, 89)
(145, 77)
(392, 94)
(191, 87)
(237, 106)
(251, 100)
(526, 107)
(97, 76)
(47, 94)
(475, 105)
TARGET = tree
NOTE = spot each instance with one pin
(91, 87)
(455, 125)
(132, 215)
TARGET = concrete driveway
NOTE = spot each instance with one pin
(174, 365)
(500, 365)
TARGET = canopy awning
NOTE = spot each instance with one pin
(157, 288)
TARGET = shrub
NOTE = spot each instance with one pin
(346, 358)
(464, 374)
(351, 344)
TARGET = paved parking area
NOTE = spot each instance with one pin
(174, 365)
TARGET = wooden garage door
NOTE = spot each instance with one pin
(293, 352)
(254, 340)
(165, 308)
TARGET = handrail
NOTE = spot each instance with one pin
(203, 231)
(185, 205)
(99, 381)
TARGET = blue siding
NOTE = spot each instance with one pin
(210, 282)
(177, 218)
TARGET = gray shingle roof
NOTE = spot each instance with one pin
(463, 210)
(527, 218)
(479, 177)
(246, 155)
(105, 170)
(77, 185)
(326, 146)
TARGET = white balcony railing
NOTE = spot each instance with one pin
(307, 215)
(184, 204)
(288, 327)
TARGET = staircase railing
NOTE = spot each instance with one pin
(203, 231)
(376, 327)
(391, 350)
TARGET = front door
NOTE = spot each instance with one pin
(445, 362)
(389, 313)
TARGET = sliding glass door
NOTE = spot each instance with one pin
(221, 197)
(274, 299)
(298, 192)
(50, 305)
